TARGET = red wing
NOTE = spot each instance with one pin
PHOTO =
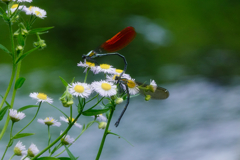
(120, 40)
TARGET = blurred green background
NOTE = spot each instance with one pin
(187, 46)
(175, 39)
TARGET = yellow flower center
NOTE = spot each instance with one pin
(14, 6)
(114, 77)
(119, 70)
(79, 89)
(71, 119)
(104, 66)
(38, 13)
(131, 84)
(42, 96)
(106, 86)
(90, 64)
(47, 119)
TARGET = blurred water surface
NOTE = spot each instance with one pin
(199, 121)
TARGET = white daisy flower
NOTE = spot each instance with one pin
(66, 140)
(132, 87)
(41, 97)
(100, 118)
(153, 84)
(19, 0)
(40, 13)
(67, 120)
(80, 89)
(104, 88)
(35, 11)
(33, 150)
(19, 149)
(87, 65)
(16, 6)
(105, 68)
(49, 121)
(15, 115)
(28, 10)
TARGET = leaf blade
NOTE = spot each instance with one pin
(20, 135)
(19, 83)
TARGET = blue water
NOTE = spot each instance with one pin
(199, 121)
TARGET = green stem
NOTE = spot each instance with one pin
(14, 67)
(30, 121)
(11, 156)
(71, 112)
(9, 86)
(58, 146)
(74, 140)
(63, 134)
(106, 132)
(11, 80)
(12, 40)
(49, 138)
(10, 141)
(86, 75)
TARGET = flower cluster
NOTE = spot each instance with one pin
(107, 87)
(32, 10)
(20, 150)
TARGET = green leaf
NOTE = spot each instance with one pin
(69, 153)
(25, 54)
(5, 49)
(3, 112)
(1, 11)
(20, 135)
(36, 30)
(26, 107)
(19, 82)
(47, 158)
(83, 127)
(64, 158)
(120, 137)
(9, 106)
(64, 82)
(94, 112)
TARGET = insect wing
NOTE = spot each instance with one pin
(160, 92)
(119, 41)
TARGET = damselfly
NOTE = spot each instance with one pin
(114, 44)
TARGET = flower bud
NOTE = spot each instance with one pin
(66, 99)
(24, 32)
(151, 88)
(147, 97)
(41, 43)
(19, 48)
(17, 151)
(118, 100)
(102, 125)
